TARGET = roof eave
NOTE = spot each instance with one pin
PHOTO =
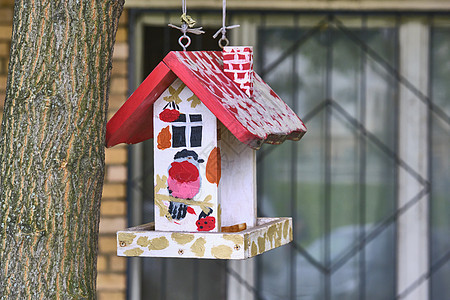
(133, 122)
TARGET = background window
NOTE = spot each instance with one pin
(363, 84)
(440, 162)
(338, 183)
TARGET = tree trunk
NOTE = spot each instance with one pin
(52, 147)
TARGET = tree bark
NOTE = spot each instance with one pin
(52, 147)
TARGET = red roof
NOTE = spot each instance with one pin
(262, 118)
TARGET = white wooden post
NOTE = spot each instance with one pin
(135, 264)
(237, 285)
(413, 242)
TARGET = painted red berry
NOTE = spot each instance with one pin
(206, 224)
(169, 115)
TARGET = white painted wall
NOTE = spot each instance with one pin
(238, 183)
(164, 158)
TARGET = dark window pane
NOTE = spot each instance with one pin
(195, 118)
(159, 40)
(196, 136)
(179, 136)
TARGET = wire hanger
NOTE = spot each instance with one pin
(187, 24)
(223, 41)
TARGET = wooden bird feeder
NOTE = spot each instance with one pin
(208, 112)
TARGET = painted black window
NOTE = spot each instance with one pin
(195, 118)
(179, 136)
(187, 131)
(196, 136)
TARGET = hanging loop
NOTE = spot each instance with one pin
(185, 29)
(185, 44)
(223, 42)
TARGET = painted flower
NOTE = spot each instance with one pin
(169, 115)
(206, 224)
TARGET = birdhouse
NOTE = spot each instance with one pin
(207, 112)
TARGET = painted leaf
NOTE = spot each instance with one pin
(175, 94)
(164, 138)
(195, 101)
(213, 166)
(191, 210)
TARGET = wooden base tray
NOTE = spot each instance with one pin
(143, 240)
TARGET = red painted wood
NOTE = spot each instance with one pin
(284, 123)
(133, 123)
(202, 73)
(264, 117)
(261, 118)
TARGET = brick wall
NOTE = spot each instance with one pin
(111, 280)
(238, 66)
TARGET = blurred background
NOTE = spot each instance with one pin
(368, 185)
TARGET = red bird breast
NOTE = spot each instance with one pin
(183, 171)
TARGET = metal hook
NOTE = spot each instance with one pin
(184, 45)
(223, 42)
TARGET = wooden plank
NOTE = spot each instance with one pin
(133, 122)
(144, 241)
(268, 236)
(238, 183)
(413, 149)
(277, 119)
